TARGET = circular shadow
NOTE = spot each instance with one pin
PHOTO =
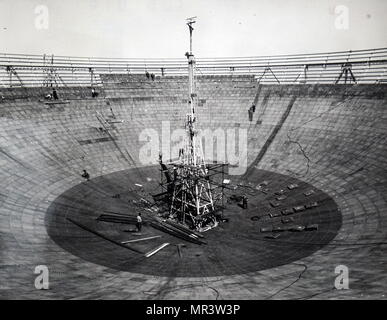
(286, 220)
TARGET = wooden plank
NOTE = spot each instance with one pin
(142, 239)
(101, 235)
(157, 249)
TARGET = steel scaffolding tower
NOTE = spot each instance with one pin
(189, 179)
(192, 201)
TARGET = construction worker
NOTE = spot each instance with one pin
(55, 94)
(86, 175)
(181, 152)
(244, 202)
(139, 222)
(250, 114)
(94, 93)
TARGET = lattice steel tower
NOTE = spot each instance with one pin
(192, 201)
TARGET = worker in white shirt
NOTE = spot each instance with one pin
(139, 222)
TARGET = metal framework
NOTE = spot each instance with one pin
(366, 66)
(179, 195)
(190, 181)
(51, 78)
(346, 70)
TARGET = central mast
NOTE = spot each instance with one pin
(191, 99)
(192, 203)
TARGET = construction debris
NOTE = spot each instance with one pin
(311, 205)
(167, 226)
(275, 204)
(279, 229)
(291, 228)
(287, 220)
(266, 229)
(274, 214)
(299, 208)
(297, 228)
(287, 212)
(179, 250)
(117, 218)
(292, 186)
(265, 190)
(236, 198)
(308, 193)
(183, 228)
(273, 236)
(157, 249)
(101, 235)
(142, 239)
(311, 227)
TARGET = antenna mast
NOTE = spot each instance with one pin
(190, 22)
(192, 95)
(192, 202)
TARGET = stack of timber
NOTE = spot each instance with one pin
(167, 226)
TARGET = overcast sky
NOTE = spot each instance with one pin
(156, 28)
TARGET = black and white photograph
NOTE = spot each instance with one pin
(193, 150)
